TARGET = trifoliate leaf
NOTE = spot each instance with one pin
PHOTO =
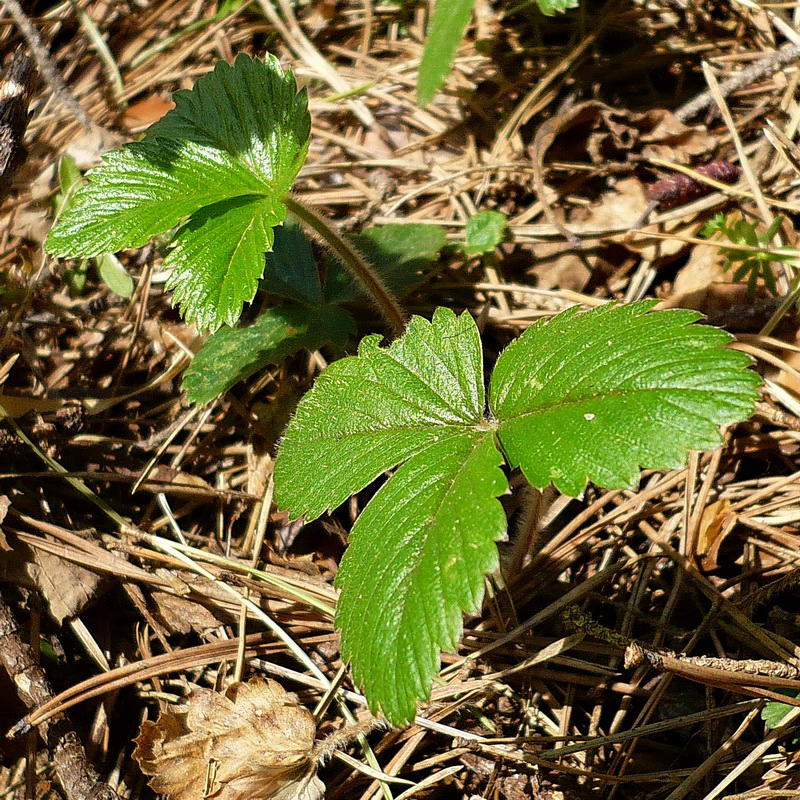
(368, 413)
(586, 396)
(234, 354)
(399, 252)
(225, 156)
(484, 231)
(291, 270)
(596, 395)
(415, 563)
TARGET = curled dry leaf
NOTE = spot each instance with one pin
(717, 521)
(254, 741)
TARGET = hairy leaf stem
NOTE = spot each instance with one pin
(357, 265)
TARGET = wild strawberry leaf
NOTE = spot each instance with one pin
(585, 396)
(370, 412)
(225, 156)
(415, 563)
(594, 396)
(234, 354)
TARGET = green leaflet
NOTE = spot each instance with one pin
(370, 412)
(215, 257)
(234, 354)
(415, 563)
(596, 396)
(291, 270)
(224, 157)
(585, 396)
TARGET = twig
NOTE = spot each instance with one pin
(762, 68)
(73, 771)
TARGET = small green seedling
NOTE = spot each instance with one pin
(483, 232)
(588, 396)
(756, 262)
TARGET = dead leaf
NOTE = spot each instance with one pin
(65, 587)
(5, 504)
(611, 138)
(704, 284)
(180, 615)
(144, 113)
(255, 742)
(716, 522)
(627, 201)
(559, 266)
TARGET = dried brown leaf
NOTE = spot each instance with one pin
(180, 615)
(254, 741)
(716, 522)
(5, 504)
(65, 587)
(704, 285)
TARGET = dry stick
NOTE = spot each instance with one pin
(45, 63)
(769, 65)
(354, 262)
(73, 771)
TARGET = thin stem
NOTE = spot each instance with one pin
(385, 301)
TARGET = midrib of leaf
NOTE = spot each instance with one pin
(435, 516)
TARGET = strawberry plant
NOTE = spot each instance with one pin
(588, 396)
(220, 166)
